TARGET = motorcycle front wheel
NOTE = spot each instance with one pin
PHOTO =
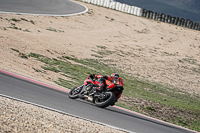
(73, 94)
(105, 99)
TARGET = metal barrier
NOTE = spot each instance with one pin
(146, 13)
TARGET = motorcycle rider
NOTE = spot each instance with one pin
(109, 82)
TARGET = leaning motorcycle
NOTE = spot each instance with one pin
(88, 91)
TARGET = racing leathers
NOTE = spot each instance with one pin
(109, 82)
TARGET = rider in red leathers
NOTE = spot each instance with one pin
(109, 82)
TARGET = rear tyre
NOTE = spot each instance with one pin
(106, 99)
(73, 94)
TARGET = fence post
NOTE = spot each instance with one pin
(194, 25)
(166, 18)
(120, 7)
(144, 14)
(160, 17)
(176, 20)
(147, 14)
(132, 9)
(187, 23)
(112, 5)
(106, 3)
(151, 15)
(182, 22)
(154, 15)
(179, 22)
(95, 2)
(102, 2)
(190, 24)
(117, 6)
(197, 26)
(92, 1)
(169, 19)
(139, 11)
(98, 2)
(88, 1)
(123, 7)
(135, 10)
(129, 10)
(163, 17)
(173, 20)
(126, 9)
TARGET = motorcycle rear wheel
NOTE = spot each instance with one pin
(73, 94)
(110, 99)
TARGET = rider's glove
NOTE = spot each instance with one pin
(105, 77)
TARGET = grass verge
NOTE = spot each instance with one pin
(184, 107)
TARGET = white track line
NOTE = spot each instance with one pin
(62, 90)
(52, 109)
(86, 10)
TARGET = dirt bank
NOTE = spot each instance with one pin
(143, 48)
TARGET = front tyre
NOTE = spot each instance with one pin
(105, 99)
(73, 94)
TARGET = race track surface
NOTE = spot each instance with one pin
(42, 7)
(58, 100)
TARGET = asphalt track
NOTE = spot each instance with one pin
(56, 99)
(46, 96)
(42, 7)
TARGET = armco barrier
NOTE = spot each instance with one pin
(145, 13)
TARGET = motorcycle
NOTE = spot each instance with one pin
(88, 91)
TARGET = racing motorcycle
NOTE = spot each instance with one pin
(88, 91)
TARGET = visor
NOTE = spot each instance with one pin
(116, 77)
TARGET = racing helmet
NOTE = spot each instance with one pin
(114, 75)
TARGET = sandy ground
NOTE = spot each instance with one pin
(18, 117)
(141, 47)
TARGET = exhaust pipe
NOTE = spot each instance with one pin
(88, 98)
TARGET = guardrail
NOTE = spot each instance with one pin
(117, 6)
(137, 11)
